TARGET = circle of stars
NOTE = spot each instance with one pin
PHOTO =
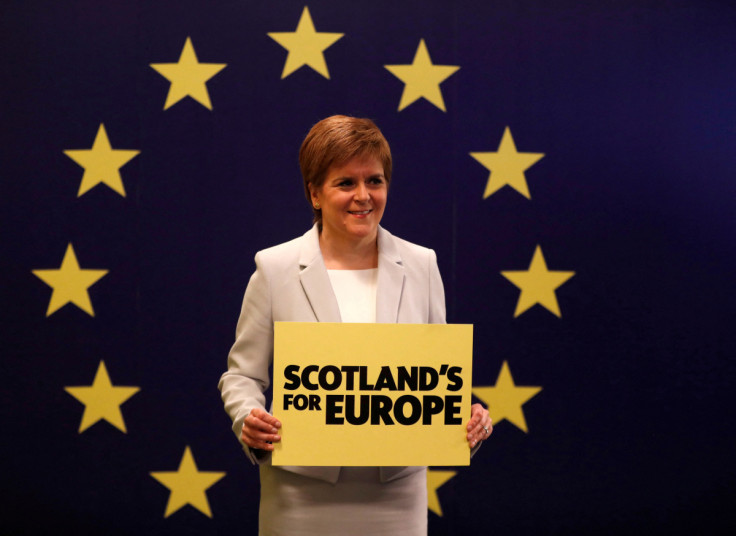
(188, 77)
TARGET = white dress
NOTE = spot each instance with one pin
(359, 503)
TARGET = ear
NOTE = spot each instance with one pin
(313, 194)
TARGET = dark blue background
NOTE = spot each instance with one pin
(631, 102)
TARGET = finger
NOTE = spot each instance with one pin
(259, 439)
(257, 435)
(251, 442)
(262, 445)
(254, 443)
(251, 436)
(266, 417)
(478, 434)
(481, 431)
(258, 423)
(473, 422)
(486, 428)
(259, 443)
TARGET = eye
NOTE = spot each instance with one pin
(345, 183)
(377, 180)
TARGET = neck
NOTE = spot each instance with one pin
(339, 254)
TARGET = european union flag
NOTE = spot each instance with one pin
(570, 162)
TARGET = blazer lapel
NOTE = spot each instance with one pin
(315, 281)
(317, 286)
(390, 279)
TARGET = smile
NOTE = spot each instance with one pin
(359, 212)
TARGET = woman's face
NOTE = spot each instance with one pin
(352, 199)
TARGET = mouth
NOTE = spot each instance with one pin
(360, 212)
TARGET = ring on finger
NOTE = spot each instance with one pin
(486, 430)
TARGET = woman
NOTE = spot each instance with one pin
(346, 268)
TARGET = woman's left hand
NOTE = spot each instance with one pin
(479, 426)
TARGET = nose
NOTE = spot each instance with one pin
(361, 192)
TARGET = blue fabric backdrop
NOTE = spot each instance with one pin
(632, 105)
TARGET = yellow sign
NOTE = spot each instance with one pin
(372, 394)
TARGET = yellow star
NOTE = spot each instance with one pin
(70, 283)
(435, 479)
(101, 163)
(306, 46)
(101, 400)
(188, 77)
(537, 285)
(422, 78)
(504, 401)
(187, 485)
(507, 166)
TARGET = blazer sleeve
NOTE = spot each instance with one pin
(243, 385)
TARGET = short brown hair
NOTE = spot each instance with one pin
(334, 141)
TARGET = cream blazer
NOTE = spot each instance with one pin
(291, 284)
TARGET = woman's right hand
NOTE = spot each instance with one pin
(260, 430)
